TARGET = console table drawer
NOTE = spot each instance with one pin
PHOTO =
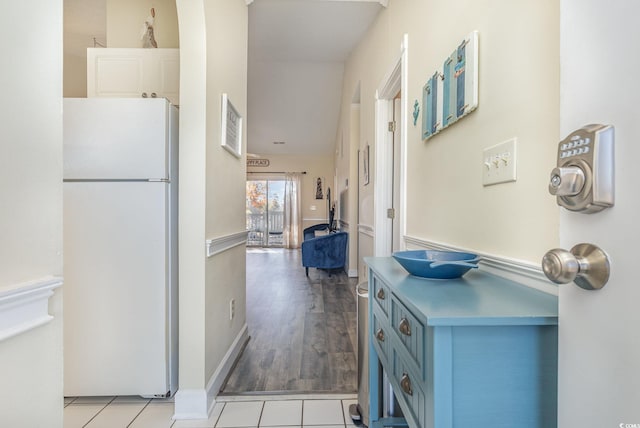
(410, 331)
(381, 295)
(408, 389)
(380, 330)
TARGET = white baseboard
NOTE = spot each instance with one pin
(286, 397)
(525, 273)
(198, 403)
(225, 366)
(191, 404)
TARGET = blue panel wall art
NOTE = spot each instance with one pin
(452, 93)
(431, 94)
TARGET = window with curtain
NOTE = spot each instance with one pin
(292, 228)
(274, 215)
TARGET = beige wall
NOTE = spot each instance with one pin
(125, 19)
(227, 33)
(75, 75)
(347, 158)
(315, 166)
(213, 61)
(518, 97)
(31, 216)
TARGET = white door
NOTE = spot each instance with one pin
(599, 350)
(389, 186)
(115, 72)
(395, 176)
(166, 63)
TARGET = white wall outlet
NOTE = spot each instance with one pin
(232, 309)
(499, 163)
(313, 208)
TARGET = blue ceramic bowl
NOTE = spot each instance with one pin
(436, 264)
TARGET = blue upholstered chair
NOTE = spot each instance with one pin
(310, 232)
(324, 251)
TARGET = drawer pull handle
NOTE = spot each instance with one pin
(381, 294)
(380, 335)
(404, 327)
(405, 384)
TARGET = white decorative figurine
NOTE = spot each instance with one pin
(146, 34)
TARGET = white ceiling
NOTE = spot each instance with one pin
(297, 50)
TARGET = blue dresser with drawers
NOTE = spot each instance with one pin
(480, 351)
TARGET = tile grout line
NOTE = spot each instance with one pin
(344, 420)
(215, 424)
(99, 411)
(344, 423)
(261, 413)
(70, 402)
(141, 410)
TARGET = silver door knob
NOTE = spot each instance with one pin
(586, 265)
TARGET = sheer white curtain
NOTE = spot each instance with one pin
(292, 211)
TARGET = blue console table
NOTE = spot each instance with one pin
(480, 351)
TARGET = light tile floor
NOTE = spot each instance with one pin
(136, 412)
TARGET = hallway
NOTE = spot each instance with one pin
(303, 330)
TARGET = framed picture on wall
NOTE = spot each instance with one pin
(319, 188)
(231, 138)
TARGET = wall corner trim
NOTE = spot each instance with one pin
(221, 374)
(218, 245)
(523, 272)
(198, 403)
(367, 230)
(25, 306)
(191, 404)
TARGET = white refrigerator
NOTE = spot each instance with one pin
(120, 247)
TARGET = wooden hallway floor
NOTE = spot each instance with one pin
(302, 329)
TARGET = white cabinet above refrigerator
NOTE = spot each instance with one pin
(134, 73)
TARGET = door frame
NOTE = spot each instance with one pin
(395, 81)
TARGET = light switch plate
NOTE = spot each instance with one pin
(499, 163)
